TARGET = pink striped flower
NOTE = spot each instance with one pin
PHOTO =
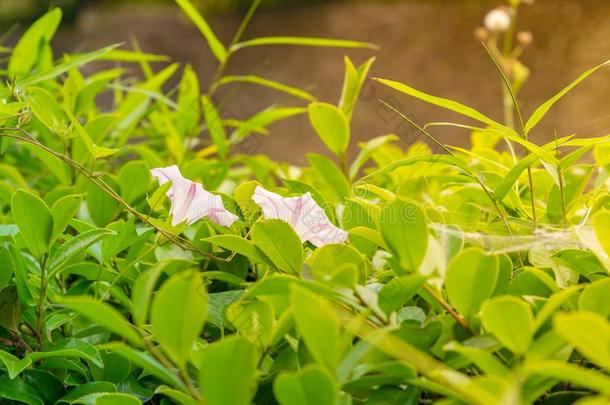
(190, 202)
(305, 216)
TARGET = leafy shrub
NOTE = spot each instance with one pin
(455, 275)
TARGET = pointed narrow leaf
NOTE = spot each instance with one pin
(215, 45)
(303, 41)
(272, 84)
(215, 126)
(541, 111)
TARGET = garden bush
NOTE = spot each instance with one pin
(148, 254)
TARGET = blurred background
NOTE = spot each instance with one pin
(428, 44)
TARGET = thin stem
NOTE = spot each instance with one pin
(463, 322)
(41, 300)
(244, 23)
(521, 125)
(181, 374)
(561, 185)
(238, 34)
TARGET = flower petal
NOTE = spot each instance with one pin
(190, 201)
(306, 217)
(170, 173)
(275, 206)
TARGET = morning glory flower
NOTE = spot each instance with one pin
(190, 201)
(303, 214)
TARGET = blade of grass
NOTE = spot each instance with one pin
(509, 88)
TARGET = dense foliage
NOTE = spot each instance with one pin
(432, 274)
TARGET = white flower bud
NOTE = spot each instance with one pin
(498, 20)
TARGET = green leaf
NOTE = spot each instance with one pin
(30, 46)
(117, 398)
(63, 210)
(588, 332)
(13, 365)
(158, 197)
(596, 297)
(21, 276)
(18, 390)
(470, 279)
(69, 348)
(10, 307)
(187, 119)
(601, 225)
(74, 247)
(253, 320)
(280, 243)
(272, 84)
(352, 85)
(141, 293)
(185, 294)
(74, 396)
(398, 291)
(148, 363)
(218, 50)
(341, 264)
(62, 68)
(121, 55)
(319, 326)
(331, 125)
(313, 385)
(232, 359)
(404, 229)
(337, 185)
(302, 41)
(510, 320)
(366, 151)
(263, 119)
(541, 111)
(104, 315)
(579, 376)
(215, 126)
(34, 220)
(6, 271)
(241, 246)
(442, 102)
(510, 178)
(178, 396)
(45, 107)
(102, 207)
(134, 179)
(483, 360)
(96, 152)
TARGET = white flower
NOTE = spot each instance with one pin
(498, 20)
(305, 216)
(190, 202)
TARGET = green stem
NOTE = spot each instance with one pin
(42, 296)
(238, 34)
(524, 134)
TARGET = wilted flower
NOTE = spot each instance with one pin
(525, 37)
(190, 202)
(481, 34)
(305, 216)
(498, 19)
